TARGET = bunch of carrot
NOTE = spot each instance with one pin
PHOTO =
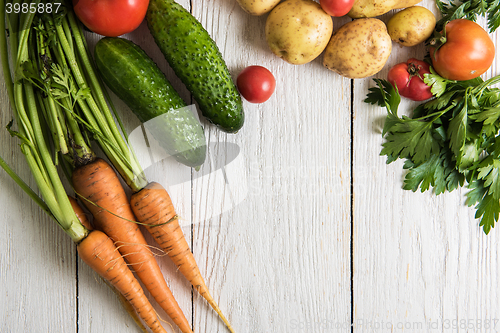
(60, 106)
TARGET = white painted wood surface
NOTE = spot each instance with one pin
(310, 230)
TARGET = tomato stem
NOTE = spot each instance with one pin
(438, 40)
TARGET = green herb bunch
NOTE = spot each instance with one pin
(448, 142)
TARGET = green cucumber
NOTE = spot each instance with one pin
(197, 61)
(133, 76)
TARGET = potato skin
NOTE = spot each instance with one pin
(298, 30)
(411, 26)
(258, 7)
(358, 49)
(373, 8)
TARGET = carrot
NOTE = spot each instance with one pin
(125, 302)
(105, 197)
(152, 207)
(80, 214)
(98, 251)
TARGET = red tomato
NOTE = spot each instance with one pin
(111, 17)
(409, 79)
(256, 84)
(467, 52)
(336, 8)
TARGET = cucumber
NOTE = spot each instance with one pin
(197, 61)
(133, 76)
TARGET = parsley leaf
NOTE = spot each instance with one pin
(487, 207)
(457, 131)
(470, 10)
(384, 94)
(448, 141)
(493, 14)
(437, 83)
(411, 139)
(490, 174)
(438, 171)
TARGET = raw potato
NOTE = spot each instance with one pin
(411, 26)
(373, 8)
(258, 7)
(298, 30)
(358, 49)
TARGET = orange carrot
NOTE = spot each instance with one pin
(152, 207)
(98, 251)
(80, 213)
(126, 304)
(105, 197)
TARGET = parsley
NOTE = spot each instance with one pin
(448, 142)
(470, 10)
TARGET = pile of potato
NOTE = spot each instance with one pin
(298, 31)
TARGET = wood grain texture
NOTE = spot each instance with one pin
(297, 223)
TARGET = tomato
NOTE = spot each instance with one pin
(256, 84)
(336, 8)
(111, 17)
(467, 52)
(409, 79)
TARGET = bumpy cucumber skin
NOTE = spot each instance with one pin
(197, 61)
(133, 76)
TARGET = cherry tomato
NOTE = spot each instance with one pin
(336, 8)
(111, 17)
(467, 52)
(256, 84)
(409, 79)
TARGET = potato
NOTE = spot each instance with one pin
(373, 8)
(298, 30)
(411, 26)
(359, 48)
(258, 7)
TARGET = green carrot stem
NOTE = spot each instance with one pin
(25, 187)
(70, 224)
(13, 25)
(94, 83)
(51, 110)
(96, 86)
(82, 152)
(5, 58)
(100, 85)
(22, 117)
(49, 120)
(34, 146)
(100, 118)
(82, 84)
(41, 144)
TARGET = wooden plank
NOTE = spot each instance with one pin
(278, 260)
(421, 263)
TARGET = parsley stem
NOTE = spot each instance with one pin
(480, 88)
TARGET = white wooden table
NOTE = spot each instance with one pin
(309, 231)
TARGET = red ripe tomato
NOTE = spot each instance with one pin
(467, 52)
(336, 8)
(111, 17)
(256, 84)
(408, 77)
